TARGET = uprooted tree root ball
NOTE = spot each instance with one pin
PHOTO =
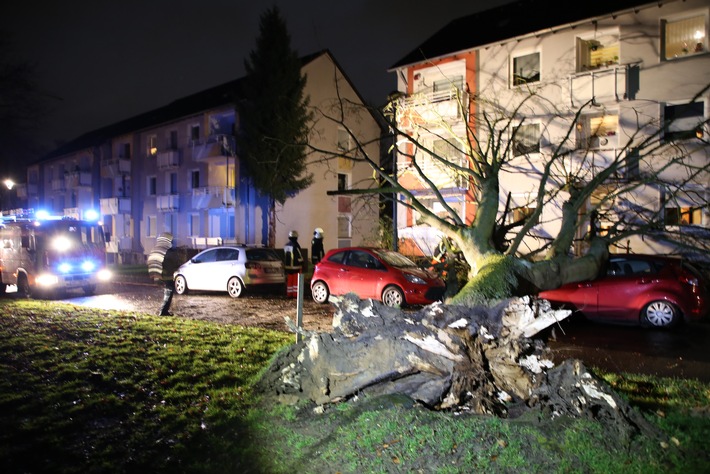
(446, 357)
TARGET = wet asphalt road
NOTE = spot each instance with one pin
(683, 352)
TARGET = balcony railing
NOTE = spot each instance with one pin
(434, 106)
(215, 146)
(57, 184)
(75, 179)
(168, 202)
(168, 159)
(602, 85)
(115, 205)
(115, 167)
(211, 197)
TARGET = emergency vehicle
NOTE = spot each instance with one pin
(49, 255)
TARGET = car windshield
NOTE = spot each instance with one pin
(395, 259)
(262, 255)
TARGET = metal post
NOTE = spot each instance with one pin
(299, 307)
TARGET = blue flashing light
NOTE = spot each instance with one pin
(64, 267)
(42, 214)
(91, 215)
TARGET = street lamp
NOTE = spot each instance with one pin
(9, 183)
(6, 197)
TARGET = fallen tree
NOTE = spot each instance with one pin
(446, 357)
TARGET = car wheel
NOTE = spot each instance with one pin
(180, 285)
(235, 288)
(320, 292)
(393, 296)
(660, 314)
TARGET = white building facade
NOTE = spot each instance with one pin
(628, 70)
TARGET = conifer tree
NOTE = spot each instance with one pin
(274, 117)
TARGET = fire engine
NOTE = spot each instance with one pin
(42, 254)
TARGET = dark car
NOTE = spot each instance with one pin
(379, 274)
(639, 289)
(230, 269)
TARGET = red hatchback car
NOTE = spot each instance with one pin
(379, 274)
(642, 289)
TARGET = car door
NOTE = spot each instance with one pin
(619, 292)
(198, 273)
(361, 274)
(225, 267)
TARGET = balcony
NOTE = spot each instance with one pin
(215, 148)
(433, 107)
(168, 159)
(211, 197)
(115, 167)
(75, 179)
(57, 185)
(168, 202)
(120, 244)
(603, 85)
(116, 205)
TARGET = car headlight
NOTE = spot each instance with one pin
(414, 279)
(61, 243)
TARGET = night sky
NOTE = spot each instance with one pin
(103, 61)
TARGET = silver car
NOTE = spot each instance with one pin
(230, 269)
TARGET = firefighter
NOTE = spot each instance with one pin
(293, 264)
(163, 260)
(317, 251)
(443, 262)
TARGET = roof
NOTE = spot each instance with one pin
(220, 95)
(509, 21)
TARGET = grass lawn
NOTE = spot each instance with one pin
(84, 390)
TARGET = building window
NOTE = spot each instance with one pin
(173, 140)
(194, 223)
(526, 139)
(343, 182)
(446, 89)
(151, 226)
(125, 151)
(343, 139)
(684, 37)
(683, 215)
(152, 186)
(152, 145)
(683, 121)
(195, 133)
(173, 183)
(344, 227)
(526, 69)
(599, 50)
(194, 179)
(597, 132)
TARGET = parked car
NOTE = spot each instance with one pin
(642, 289)
(230, 269)
(379, 274)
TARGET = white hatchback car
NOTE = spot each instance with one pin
(230, 269)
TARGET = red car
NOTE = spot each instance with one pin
(644, 289)
(379, 274)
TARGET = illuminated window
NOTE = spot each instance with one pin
(683, 215)
(684, 37)
(598, 50)
(446, 89)
(152, 145)
(526, 139)
(151, 226)
(683, 121)
(526, 69)
(598, 131)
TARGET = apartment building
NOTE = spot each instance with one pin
(625, 66)
(177, 169)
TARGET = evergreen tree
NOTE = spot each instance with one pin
(274, 117)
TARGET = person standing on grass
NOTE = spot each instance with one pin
(293, 264)
(163, 261)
